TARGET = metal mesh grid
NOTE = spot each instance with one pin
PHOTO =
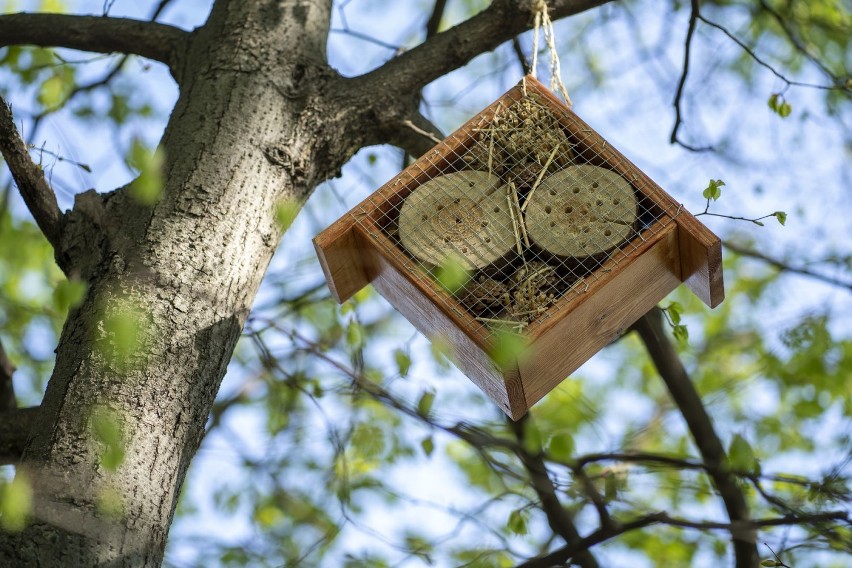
(529, 210)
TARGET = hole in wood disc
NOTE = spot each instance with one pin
(569, 209)
(607, 233)
(599, 202)
(576, 190)
(496, 209)
(547, 209)
(595, 184)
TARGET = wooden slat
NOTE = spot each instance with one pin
(431, 320)
(342, 259)
(601, 315)
(702, 250)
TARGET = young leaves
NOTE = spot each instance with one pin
(779, 105)
(714, 190)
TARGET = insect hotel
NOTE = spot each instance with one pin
(561, 241)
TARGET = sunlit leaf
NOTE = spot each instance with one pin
(403, 362)
(16, 498)
(714, 189)
(453, 274)
(517, 522)
(68, 294)
(741, 455)
(507, 348)
(428, 445)
(107, 429)
(285, 213)
(424, 404)
(147, 188)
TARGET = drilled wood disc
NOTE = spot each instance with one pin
(463, 214)
(581, 211)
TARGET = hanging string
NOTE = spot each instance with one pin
(543, 22)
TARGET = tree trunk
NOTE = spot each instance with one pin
(242, 137)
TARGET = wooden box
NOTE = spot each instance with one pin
(603, 292)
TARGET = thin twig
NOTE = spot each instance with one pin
(37, 194)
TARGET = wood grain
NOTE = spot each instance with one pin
(601, 315)
(342, 258)
(702, 249)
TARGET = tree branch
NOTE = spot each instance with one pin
(673, 373)
(561, 556)
(38, 196)
(15, 428)
(558, 519)
(453, 48)
(784, 267)
(7, 388)
(415, 135)
(152, 40)
(694, 15)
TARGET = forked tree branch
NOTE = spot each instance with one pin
(688, 401)
(37, 194)
(558, 519)
(152, 40)
(561, 556)
(453, 48)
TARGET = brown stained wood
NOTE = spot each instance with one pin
(601, 315)
(361, 247)
(342, 258)
(701, 261)
(431, 319)
(702, 249)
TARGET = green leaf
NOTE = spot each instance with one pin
(68, 294)
(561, 446)
(452, 274)
(785, 109)
(517, 522)
(675, 310)
(741, 455)
(714, 189)
(770, 562)
(428, 445)
(54, 91)
(16, 499)
(354, 334)
(107, 429)
(285, 213)
(681, 333)
(147, 188)
(507, 348)
(424, 405)
(773, 101)
(781, 216)
(403, 362)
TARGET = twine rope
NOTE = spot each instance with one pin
(542, 22)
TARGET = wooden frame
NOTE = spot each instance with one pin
(355, 251)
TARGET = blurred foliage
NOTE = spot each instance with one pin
(343, 439)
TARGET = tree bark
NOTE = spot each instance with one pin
(240, 139)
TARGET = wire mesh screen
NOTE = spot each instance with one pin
(520, 209)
